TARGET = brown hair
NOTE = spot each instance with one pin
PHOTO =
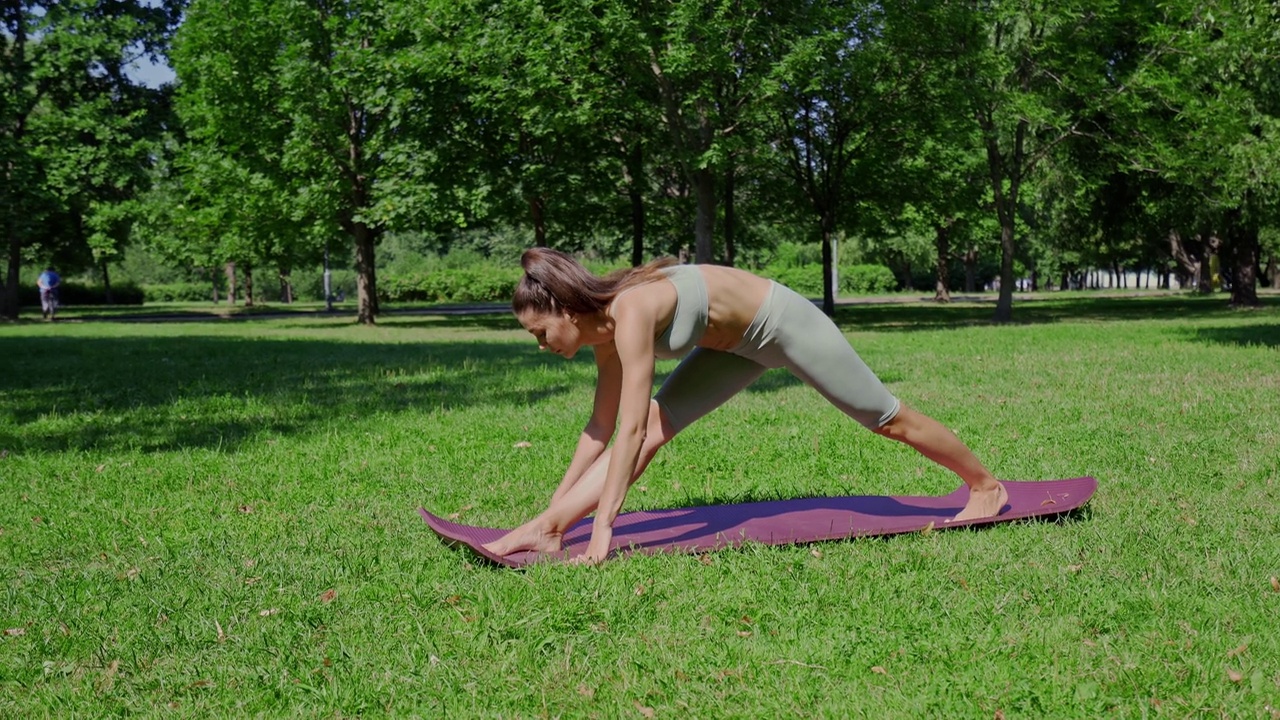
(553, 281)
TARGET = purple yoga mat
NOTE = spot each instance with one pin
(779, 522)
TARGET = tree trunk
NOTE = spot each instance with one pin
(942, 240)
(1006, 203)
(248, 285)
(704, 225)
(1273, 271)
(538, 211)
(106, 284)
(366, 276)
(286, 286)
(729, 217)
(633, 171)
(231, 283)
(213, 282)
(828, 297)
(1004, 305)
(1242, 258)
(9, 303)
(971, 269)
(1204, 274)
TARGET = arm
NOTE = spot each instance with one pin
(604, 415)
(633, 339)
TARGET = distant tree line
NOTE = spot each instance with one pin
(1044, 138)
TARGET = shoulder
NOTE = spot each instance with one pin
(646, 301)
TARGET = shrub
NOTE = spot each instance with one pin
(807, 279)
(473, 284)
(77, 293)
(179, 292)
(867, 279)
(804, 279)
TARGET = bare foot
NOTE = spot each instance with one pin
(983, 503)
(529, 536)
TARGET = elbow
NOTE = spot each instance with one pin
(599, 432)
(633, 433)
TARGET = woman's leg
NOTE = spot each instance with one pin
(933, 440)
(703, 381)
(545, 532)
(813, 348)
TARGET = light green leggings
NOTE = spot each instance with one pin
(788, 331)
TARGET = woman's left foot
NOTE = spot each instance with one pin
(985, 503)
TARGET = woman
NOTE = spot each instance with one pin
(730, 326)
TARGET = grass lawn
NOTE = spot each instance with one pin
(218, 519)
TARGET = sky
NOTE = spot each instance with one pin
(150, 74)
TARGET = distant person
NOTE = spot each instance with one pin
(49, 282)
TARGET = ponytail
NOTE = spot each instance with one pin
(555, 282)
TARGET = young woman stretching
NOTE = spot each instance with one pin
(730, 326)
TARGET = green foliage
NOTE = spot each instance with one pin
(178, 292)
(867, 279)
(75, 293)
(853, 279)
(793, 254)
(473, 284)
(77, 135)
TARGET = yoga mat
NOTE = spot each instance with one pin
(779, 522)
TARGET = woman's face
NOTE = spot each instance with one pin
(557, 332)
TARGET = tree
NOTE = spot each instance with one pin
(345, 91)
(1035, 75)
(75, 132)
(708, 61)
(852, 92)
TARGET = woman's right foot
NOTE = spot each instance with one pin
(530, 536)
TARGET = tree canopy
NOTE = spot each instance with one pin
(1047, 138)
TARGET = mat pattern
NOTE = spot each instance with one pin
(779, 522)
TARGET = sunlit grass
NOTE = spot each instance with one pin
(210, 519)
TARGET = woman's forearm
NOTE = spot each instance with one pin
(591, 445)
(622, 467)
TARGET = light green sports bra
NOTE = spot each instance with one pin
(692, 313)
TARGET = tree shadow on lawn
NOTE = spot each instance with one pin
(194, 391)
(1050, 309)
(1267, 335)
(165, 393)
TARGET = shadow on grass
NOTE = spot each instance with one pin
(164, 393)
(1051, 309)
(198, 391)
(1243, 335)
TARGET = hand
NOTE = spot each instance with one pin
(598, 548)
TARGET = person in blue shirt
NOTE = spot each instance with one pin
(48, 283)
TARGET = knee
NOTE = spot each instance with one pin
(899, 427)
(660, 430)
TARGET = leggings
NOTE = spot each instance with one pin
(788, 331)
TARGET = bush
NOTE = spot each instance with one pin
(77, 293)
(867, 279)
(179, 292)
(474, 284)
(804, 279)
(807, 279)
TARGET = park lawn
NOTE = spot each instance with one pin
(218, 519)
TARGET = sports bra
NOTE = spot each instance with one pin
(689, 323)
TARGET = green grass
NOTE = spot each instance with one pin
(209, 519)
